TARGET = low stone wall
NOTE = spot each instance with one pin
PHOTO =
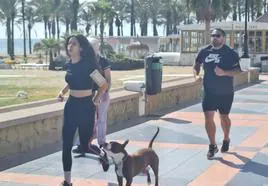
(241, 79)
(26, 128)
(173, 94)
(187, 59)
(254, 74)
(124, 106)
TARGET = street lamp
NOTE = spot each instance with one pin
(245, 51)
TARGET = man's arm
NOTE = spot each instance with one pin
(196, 70)
(233, 72)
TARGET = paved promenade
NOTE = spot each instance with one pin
(181, 146)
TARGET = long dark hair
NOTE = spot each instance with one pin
(87, 54)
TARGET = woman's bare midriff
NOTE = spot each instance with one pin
(80, 93)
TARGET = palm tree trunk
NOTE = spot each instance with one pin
(122, 33)
(67, 26)
(24, 29)
(188, 11)
(207, 28)
(96, 28)
(58, 27)
(30, 37)
(132, 19)
(12, 38)
(252, 11)
(134, 26)
(168, 18)
(118, 30)
(101, 33)
(111, 26)
(265, 6)
(49, 29)
(154, 27)
(50, 59)
(45, 25)
(53, 28)
(239, 10)
(234, 10)
(8, 36)
(75, 14)
(87, 28)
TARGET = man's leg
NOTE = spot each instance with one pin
(209, 107)
(226, 125)
(224, 109)
(210, 126)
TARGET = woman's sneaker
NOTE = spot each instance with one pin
(78, 150)
(225, 145)
(213, 149)
(66, 184)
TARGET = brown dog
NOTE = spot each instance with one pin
(129, 166)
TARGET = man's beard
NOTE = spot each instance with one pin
(216, 44)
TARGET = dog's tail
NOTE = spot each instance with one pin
(152, 140)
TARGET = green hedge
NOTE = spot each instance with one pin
(121, 62)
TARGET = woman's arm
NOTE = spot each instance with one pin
(60, 97)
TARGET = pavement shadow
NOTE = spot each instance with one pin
(174, 120)
(248, 165)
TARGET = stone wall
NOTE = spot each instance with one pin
(254, 74)
(187, 59)
(241, 79)
(31, 127)
(174, 94)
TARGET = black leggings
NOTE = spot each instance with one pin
(78, 113)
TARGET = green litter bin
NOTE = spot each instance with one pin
(153, 74)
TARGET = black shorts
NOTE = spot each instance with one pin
(214, 102)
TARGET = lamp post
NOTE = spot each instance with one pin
(245, 51)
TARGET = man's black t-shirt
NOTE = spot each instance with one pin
(225, 58)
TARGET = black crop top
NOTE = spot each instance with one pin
(77, 75)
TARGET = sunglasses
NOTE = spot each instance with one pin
(216, 35)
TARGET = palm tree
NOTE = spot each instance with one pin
(123, 9)
(155, 8)
(75, 8)
(142, 15)
(179, 14)
(65, 12)
(234, 7)
(57, 4)
(167, 15)
(225, 9)
(49, 45)
(118, 23)
(43, 8)
(103, 8)
(31, 19)
(87, 17)
(205, 11)
(8, 9)
(6, 17)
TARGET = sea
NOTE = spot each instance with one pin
(18, 46)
